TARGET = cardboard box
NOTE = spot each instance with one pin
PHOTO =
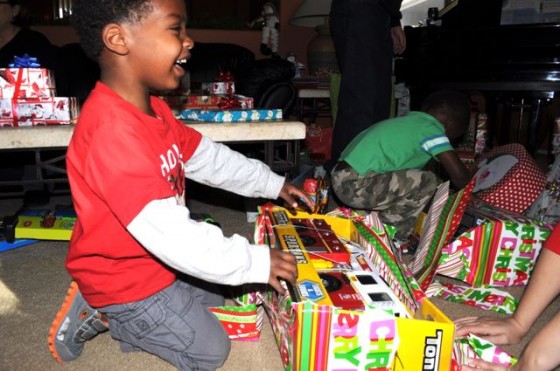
(231, 115)
(38, 111)
(313, 334)
(26, 83)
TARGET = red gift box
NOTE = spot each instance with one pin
(38, 111)
(509, 178)
(26, 83)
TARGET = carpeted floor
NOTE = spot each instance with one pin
(33, 284)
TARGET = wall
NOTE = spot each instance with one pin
(292, 38)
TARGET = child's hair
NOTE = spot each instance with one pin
(90, 16)
(452, 105)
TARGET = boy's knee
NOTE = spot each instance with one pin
(219, 350)
(215, 352)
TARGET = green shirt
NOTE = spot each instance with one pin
(407, 142)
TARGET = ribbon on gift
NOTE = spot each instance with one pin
(24, 61)
(229, 102)
(225, 77)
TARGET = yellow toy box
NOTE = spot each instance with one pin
(397, 329)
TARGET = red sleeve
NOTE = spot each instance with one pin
(552, 243)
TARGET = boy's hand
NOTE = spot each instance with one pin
(291, 194)
(282, 266)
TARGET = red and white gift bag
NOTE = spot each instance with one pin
(509, 178)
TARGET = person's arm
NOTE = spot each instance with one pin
(455, 168)
(399, 39)
(217, 165)
(543, 287)
(541, 353)
(199, 249)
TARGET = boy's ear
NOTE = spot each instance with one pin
(113, 38)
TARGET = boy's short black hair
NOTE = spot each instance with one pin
(90, 16)
(451, 104)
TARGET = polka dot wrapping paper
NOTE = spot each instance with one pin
(509, 178)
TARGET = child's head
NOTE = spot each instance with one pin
(452, 109)
(140, 41)
(91, 16)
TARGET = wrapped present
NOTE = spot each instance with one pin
(392, 331)
(38, 111)
(231, 115)
(224, 84)
(499, 250)
(234, 101)
(209, 101)
(26, 83)
(509, 178)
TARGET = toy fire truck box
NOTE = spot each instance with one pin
(27, 83)
(38, 111)
(493, 247)
(387, 329)
(44, 224)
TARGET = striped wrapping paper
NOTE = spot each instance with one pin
(499, 252)
(442, 227)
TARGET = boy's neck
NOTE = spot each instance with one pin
(129, 91)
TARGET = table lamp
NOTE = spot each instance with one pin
(321, 57)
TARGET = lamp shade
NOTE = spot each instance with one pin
(312, 13)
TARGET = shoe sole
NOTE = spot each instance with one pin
(70, 295)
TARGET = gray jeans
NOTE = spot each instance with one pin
(175, 325)
(398, 196)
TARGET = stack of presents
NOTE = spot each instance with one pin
(216, 102)
(28, 96)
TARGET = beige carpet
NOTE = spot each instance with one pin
(33, 284)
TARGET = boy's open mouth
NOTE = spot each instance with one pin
(181, 62)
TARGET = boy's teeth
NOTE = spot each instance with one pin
(181, 61)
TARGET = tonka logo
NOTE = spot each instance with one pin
(432, 351)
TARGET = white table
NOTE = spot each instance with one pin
(41, 138)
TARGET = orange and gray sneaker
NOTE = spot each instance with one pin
(74, 323)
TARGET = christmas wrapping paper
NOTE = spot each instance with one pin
(509, 178)
(441, 223)
(26, 83)
(231, 115)
(241, 322)
(500, 250)
(38, 111)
